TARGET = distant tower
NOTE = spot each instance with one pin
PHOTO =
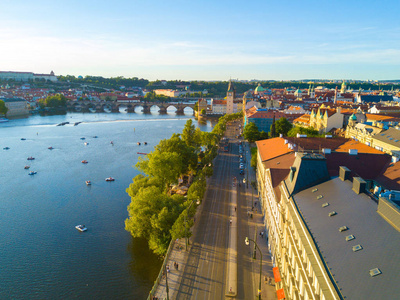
(343, 88)
(334, 101)
(312, 93)
(230, 95)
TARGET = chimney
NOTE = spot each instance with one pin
(344, 173)
(359, 185)
(353, 151)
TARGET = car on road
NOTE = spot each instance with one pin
(241, 172)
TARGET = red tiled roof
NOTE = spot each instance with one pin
(303, 119)
(390, 177)
(376, 117)
(220, 102)
(362, 148)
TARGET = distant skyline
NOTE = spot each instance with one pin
(203, 40)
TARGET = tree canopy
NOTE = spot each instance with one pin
(152, 214)
(3, 107)
(56, 101)
(282, 126)
(311, 132)
(273, 129)
(250, 132)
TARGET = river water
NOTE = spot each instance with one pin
(42, 255)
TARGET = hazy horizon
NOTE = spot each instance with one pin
(207, 40)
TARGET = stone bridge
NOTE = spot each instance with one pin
(114, 106)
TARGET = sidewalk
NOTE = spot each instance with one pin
(180, 256)
(268, 290)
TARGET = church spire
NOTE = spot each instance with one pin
(231, 88)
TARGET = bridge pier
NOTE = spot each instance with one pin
(163, 110)
(146, 109)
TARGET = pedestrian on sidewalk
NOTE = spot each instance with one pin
(177, 266)
(230, 222)
(235, 208)
(262, 234)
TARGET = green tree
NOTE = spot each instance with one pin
(250, 132)
(282, 126)
(55, 101)
(311, 132)
(152, 214)
(176, 145)
(3, 108)
(272, 130)
(188, 133)
(253, 161)
(166, 167)
(263, 135)
(203, 111)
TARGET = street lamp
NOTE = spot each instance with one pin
(247, 242)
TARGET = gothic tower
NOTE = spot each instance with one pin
(230, 95)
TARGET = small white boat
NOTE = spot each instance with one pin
(110, 179)
(32, 173)
(50, 148)
(2, 120)
(84, 161)
(26, 167)
(81, 227)
(88, 182)
(30, 158)
(86, 143)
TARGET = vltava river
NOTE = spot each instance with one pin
(42, 255)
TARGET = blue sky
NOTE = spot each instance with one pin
(203, 40)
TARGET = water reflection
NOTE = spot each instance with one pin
(145, 269)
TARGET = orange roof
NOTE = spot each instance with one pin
(376, 117)
(303, 119)
(272, 148)
(219, 102)
(362, 148)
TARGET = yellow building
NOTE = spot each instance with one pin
(324, 119)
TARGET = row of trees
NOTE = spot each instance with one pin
(56, 101)
(113, 82)
(153, 97)
(154, 213)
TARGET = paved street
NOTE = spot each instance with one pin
(218, 264)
